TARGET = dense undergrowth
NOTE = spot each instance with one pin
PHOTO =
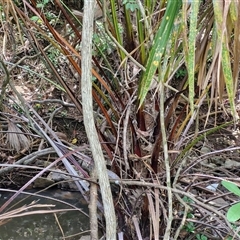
(165, 83)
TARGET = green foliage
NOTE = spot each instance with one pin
(189, 227)
(187, 200)
(168, 42)
(201, 237)
(157, 53)
(181, 73)
(53, 54)
(42, 3)
(102, 41)
(231, 187)
(51, 17)
(35, 18)
(190, 53)
(130, 5)
(225, 55)
(233, 213)
(18, 108)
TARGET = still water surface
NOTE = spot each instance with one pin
(46, 226)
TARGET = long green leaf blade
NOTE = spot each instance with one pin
(158, 48)
(191, 53)
(221, 14)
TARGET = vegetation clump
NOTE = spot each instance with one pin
(165, 84)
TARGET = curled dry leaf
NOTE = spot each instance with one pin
(61, 135)
(16, 138)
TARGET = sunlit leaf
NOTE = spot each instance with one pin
(233, 213)
(230, 186)
(74, 141)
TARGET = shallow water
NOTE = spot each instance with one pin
(46, 226)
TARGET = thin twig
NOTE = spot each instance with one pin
(32, 180)
(184, 217)
(197, 202)
(125, 128)
(26, 160)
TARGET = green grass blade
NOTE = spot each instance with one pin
(221, 15)
(191, 51)
(141, 38)
(227, 72)
(158, 48)
(116, 27)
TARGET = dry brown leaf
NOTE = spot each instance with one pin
(16, 138)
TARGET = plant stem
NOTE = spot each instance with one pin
(88, 118)
(167, 165)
